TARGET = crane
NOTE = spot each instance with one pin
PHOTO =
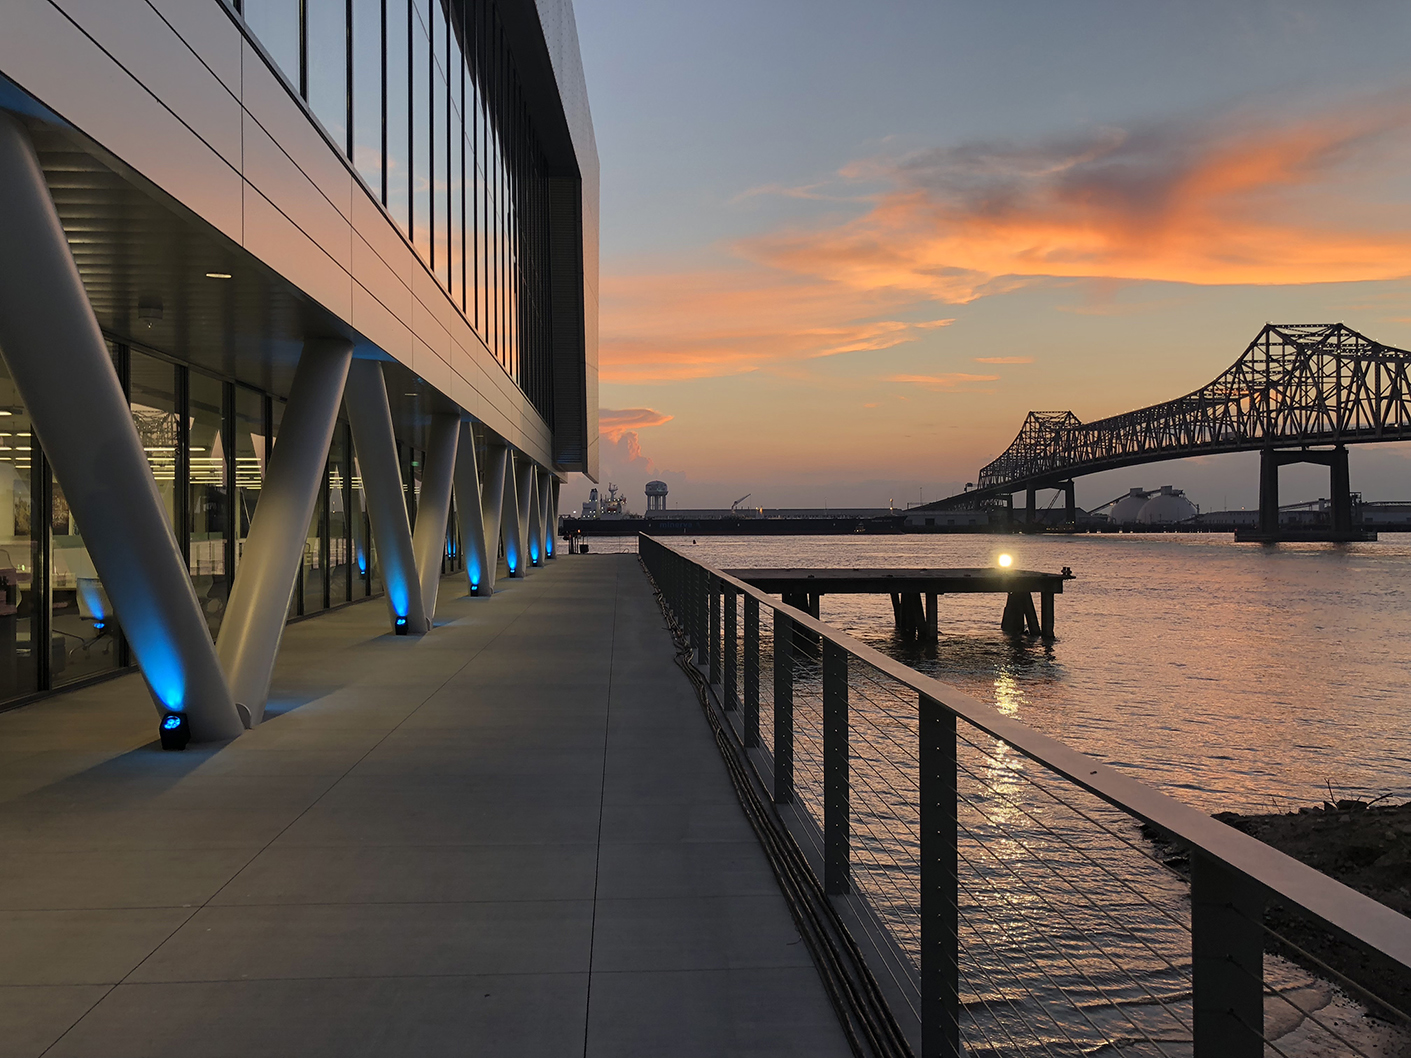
(741, 500)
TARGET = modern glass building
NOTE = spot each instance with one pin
(335, 264)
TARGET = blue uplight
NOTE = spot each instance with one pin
(171, 722)
(401, 621)
(98, 625)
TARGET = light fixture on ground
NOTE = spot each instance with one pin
(1006, 561)
(401, 626)
(175, 731)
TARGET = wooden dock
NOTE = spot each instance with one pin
(915, 593)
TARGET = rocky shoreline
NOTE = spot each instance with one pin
(1365, 847)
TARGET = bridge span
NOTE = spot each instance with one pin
(1298, 393)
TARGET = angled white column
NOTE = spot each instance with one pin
(536, 517)
(433, 508)
(554, 484)
(55, 351)
(546, 525)
(269, 565)
(524, 494)
(371, 419)
(478, 518)
(512, 518)
(492, 507)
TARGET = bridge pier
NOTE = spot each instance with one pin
(1031, 495)
(1339, 482)
(1070, 502)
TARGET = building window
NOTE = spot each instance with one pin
(21, 548)
(327, 33)
(277, 25)
(209, 519)
(368, 114)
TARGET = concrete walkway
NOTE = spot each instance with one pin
(513, 836)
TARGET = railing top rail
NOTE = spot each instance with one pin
(1346, 910)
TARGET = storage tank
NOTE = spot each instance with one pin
(1167, 507)
(1125, 510)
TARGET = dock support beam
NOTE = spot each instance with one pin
(1046, 615)
(371, 419)
(253, 625)
(59, 362)
(1019, 615)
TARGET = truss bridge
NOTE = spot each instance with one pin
(1298, 393)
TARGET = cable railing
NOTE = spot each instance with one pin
(1012, 896)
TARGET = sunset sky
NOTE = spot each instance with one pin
(845, 247)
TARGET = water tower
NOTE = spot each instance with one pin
(656, 496)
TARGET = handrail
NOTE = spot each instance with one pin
(1359, 917)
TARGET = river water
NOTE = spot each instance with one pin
(1234, 676)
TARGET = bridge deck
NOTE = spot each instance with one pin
(512, 836)
(899, 581)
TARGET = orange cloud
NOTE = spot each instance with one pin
(947, 383)
(1004, 359)
(1237, 201)
(683, 325)
(1242, 199)
(613, 423)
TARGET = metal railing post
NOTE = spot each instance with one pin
(783, 708)
(835, 769)
(1227, 960)
(713, 587)
(751, 672)
(698, 612)
(731, 646)
(940, 883)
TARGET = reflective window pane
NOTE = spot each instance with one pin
(210, 503)
(367, 92)
(421, 128)
(276, 24)
(21, 535)
(249, 461)
(153, 398)
(440, 151)
(328, 65)
(399, 113)
(314, 567)
(82, 633)
(340, 580)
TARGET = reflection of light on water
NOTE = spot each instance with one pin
(1009, 696)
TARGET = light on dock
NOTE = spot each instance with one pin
(1006, 561)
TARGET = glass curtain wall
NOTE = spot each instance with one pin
(207, 442)
(424, 99)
